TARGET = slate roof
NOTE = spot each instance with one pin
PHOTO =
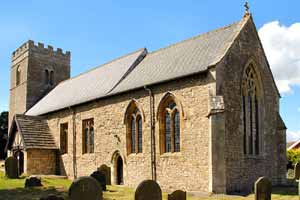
(142, 68)
(34, 131)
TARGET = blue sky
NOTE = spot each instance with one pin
(97, 31)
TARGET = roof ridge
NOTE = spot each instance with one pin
(197, 36)
(103, 65)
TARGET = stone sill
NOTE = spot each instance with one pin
(170, 154)
(136, 155)
(254, 157)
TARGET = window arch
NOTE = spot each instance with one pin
(134, 122)
(46, 76)
(169, 117)
(251, 111)
(18, 75)
(51, 78)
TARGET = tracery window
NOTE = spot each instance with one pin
(88, 136)
(169, 119)
(251, 115)
(18, 75)
(134, 125)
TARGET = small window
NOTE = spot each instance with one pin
(64, 138)
(51, 79)
(18, 75)
(88, 136)
(46, 76)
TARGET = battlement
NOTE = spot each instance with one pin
(39, 48)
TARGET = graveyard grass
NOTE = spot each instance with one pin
(13, 189)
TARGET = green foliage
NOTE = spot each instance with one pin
(4, 120)
(293, 157)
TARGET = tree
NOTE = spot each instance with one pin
(3, 133)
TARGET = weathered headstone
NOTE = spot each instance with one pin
(263, 189)
(297, 171)
(11, 167)
(33, 181)
(51, 197)
(85, 187)
(106, 170)
(177, 195)
(100, 177)
(148, 190)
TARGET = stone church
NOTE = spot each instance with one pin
(198, 115)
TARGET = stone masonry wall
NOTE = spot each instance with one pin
(242, 170)
(40, 161)
(187, 170)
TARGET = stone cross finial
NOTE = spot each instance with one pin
(247, 8)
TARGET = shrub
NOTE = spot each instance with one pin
(293, 157)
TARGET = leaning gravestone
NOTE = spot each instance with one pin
(100, 177)
(11, 167)
(148, 190)
(297, 171)
(177, 195)
(85, 187)
(106, 170)
(263, 189)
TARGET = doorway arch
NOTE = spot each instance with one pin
(120, 171)
(19, 155)
(118, 168)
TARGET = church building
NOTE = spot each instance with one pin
(198, 115)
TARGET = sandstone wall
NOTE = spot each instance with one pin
(40, 161)
(187, 170)
(243, 170)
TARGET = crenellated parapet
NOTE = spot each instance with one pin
(39, 48)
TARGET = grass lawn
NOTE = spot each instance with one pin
(13, 189)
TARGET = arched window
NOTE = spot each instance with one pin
(46, 76)
(169, 120)
(251, 114)
(88, 136)
(51, 78)
(18, 75)
(134, 124)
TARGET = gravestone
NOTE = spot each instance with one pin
(106, 170)
(33, 181)
(263, 189)
(297, 171)
(11, 167)
(85, 187)
(100, 177)
(51, 197)
(177, 195)
(148, 190)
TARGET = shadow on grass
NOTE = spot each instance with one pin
(285, 190)
(31, 193)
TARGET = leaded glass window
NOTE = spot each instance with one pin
(177, 131)
(134, 129)
(251, 99)
(168, 132)
(88, 136)
(140, 135)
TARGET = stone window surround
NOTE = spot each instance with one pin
(161, 110)
(64, 129)
(260, 101)
(89, 125)
(134, 111)
(18, 75)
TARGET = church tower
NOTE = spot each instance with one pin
(35, 70)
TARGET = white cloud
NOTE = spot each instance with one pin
(282, 46)
(292, 135)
